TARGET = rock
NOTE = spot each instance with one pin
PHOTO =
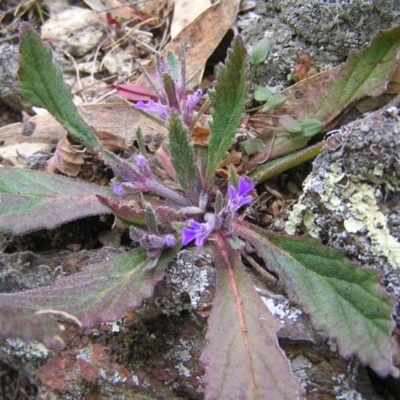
(327, 30)
(76, 31)
(351, 199)
(8, 76)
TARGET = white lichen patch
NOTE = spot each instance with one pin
(360, 202)
(28, 350)
(115, 327)
(187, 277)
(300, 365)
(135, 379)
(115, 379)
(182, 370)
(342, 383)
(282, 309)
(84, 354)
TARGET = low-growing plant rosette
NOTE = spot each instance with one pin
(242, 357)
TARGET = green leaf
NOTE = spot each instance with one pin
(290, 124)
(253, 146)
(310, 127)
(286, 143)
(150, 218)
(343, 300)
(228, 99)
(275, 101)
(365, 73)
(40, 84)
(261, 93)
(173, 64)
(242, 357)
(32, 200)
(140, 141)
(102, 292)
(276, 167)
(182, 156)
(260, 52)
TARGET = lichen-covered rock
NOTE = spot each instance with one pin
(351, 199)
(325, 29)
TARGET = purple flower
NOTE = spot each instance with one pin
(124, 188)
(141, 162)
(197, 232)
(153, 107)
(192, 100)
(169, 240)
(239, 198)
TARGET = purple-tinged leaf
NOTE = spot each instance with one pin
(242, 357)
(289, 123)
(344, 301)
(171, 92)
(32, 200)
(100, 293)
(124, 208)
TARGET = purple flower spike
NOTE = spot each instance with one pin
(192, 100)
(141, 161)
(152, 107)
(197, 232)
(239, 198)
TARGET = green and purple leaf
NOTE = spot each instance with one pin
(228, 99)
(290, 124)
(343, 300)
(124, 209)
(40, 84)
(182, 156)
(32, 200)
(242, 357)
(100, 293)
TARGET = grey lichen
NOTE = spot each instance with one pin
(351, 199)
(325, 29)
